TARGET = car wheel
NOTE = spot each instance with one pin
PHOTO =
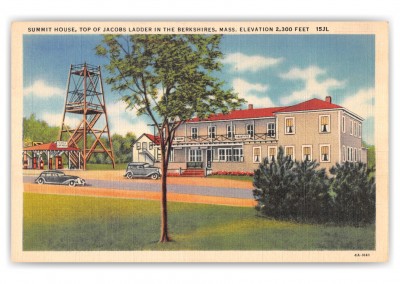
(72, 183)
(129, 175)
(154, 176)
(40, 181)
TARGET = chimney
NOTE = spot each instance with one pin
(328, 99)
(250, 106)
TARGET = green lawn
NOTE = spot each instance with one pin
(56, 222)
(244, 178)
(102, 167)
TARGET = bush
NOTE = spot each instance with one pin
(300, 191)
(309, 199)
(273, 182)
(354, 194)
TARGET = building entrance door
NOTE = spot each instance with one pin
(209, 158)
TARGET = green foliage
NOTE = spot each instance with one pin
(168, 77)
(122, 146)
(309, 198)
(300, 191)
(291, 190)
(370, 155)
(353, 194)
(36, 130)
(273, 182)
(78, 223)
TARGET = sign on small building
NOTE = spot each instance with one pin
(62, 144)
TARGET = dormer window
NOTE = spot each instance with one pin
(324, 124)
(289, 125)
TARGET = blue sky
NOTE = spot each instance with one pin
(267, 70)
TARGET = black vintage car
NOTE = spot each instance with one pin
(142, 170)
(58, 177)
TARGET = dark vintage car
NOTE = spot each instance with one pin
(142, 170)
(58, 177)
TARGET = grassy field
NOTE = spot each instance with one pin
(244, 178)
(56, 222)
(104, 167)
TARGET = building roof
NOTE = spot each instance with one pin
(49, 147)
(313, 104)
(242, 114)
(310, 105)
(152, 138)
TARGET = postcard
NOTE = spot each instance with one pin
(200, 141)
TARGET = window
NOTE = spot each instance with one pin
(325, 153)
(250, 129)
(150, 146)
(307, 153)
(237, 154)
(351, 127)
(271, 129)
(256, 154)
(348, 153)
(195, 155)
(144, 145)
(230, 155)
(343, 124)
(344, 153)
(271, 154)
(351, 154)
(355, 155)
(138, 145)
(211, 132)
(221, 155)
(359, 130)
(289, 152)
(230, 133)
(355, 129)
(194, 131)
(158, 154)
(172, 155)
(289, 125)
(324, 123)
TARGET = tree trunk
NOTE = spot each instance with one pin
(164, 213)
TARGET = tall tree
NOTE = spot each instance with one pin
(169, 78)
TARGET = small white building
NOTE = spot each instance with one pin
(145, 149)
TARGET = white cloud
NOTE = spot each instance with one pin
(362, 103)
(243, 62)
(248, 91)
(313, 88)
(41, 89)
(117, 114)
(122, 126)
(116, 108)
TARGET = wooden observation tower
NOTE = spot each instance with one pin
(85, 101)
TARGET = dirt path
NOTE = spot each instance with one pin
(136, 194)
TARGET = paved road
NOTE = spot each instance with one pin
(175, 188)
